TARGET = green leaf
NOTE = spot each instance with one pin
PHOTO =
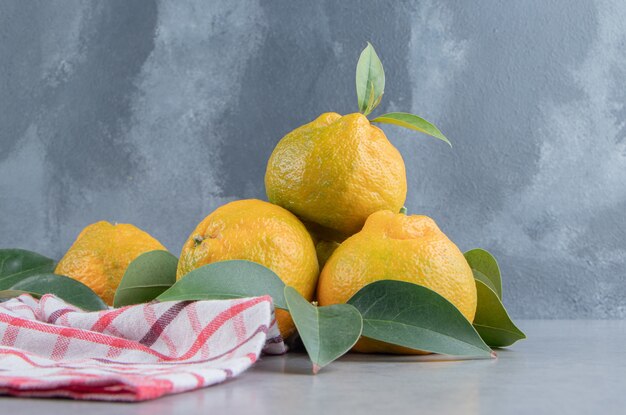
(414, 316)
(149, 275)
(482, 261)
(484, 279)
(68, 289)
(370, 80)
(492, 321)
(227, 279)
(327, 332)
(412, 122)
(17, 264)
(403, 210)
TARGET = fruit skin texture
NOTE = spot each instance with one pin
(335, 172)
(260, 232)
(102, 252)
(398, 247)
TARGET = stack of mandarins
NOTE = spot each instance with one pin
(333, 224)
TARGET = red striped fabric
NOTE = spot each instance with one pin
(49, 348)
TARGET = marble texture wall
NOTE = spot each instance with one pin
(155, 113)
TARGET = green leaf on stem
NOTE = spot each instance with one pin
(412, 122)
(225, 280)
(68, 289)
(370, 80)
(492, 321)
(149, 275)
(327, 332)
(414, 316)
(17, 264)
(482, 261)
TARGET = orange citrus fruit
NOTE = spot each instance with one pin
(398, 247)
(260, 232)
(336, 171)
(101, 253)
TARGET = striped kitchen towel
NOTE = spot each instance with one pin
(50, 348)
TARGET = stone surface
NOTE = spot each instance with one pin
(565, 367)
(155, 113)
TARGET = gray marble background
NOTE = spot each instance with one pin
(156, 113)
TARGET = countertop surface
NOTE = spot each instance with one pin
(563, 367)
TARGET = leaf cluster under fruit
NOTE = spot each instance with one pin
(26, 272)
(395, 312)
(370, 87)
